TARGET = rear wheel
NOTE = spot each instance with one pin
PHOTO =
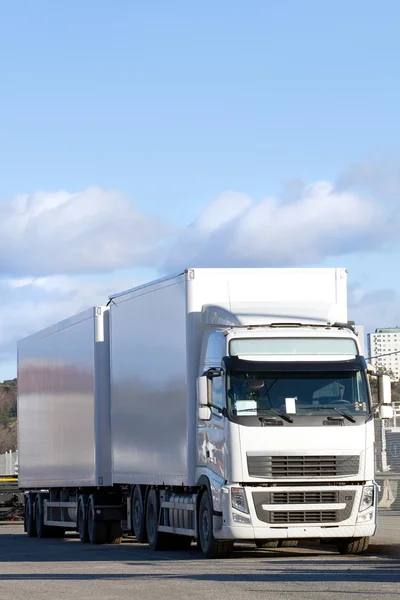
(353, 545)
(157, 540)
(138, 516)
(211, 547)
(82, 521)
(42, 530)
(29, 520)
(97, 530)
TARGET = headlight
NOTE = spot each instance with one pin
(367, 498)
(239, 501)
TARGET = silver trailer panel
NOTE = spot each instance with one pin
(156, 335)
(149, 384)
(63, 404)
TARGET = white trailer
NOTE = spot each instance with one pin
(238, 408)
(64, 432)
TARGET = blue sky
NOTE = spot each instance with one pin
(172, 104)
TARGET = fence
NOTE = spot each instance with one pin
(387, 443)
(9, 463)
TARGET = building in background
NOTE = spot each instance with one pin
(384, 350)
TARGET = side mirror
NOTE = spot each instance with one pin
(204, 413)
(214, 372)
(385, 411)
(384, 389)
(203, 391)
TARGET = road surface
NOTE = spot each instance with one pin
(32, 569)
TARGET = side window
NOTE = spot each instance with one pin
(218, 392)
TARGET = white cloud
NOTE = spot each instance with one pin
(60, 232)
(53, 246)
(319, 221)
(376, 308)
(30, 304)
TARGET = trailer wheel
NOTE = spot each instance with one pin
(211, 547)
(138, 516)
(157, 540)
(42, 530)
(82, 521)
(353, 545)
(114, 532)
(29, 520)
(267, 543)
(97, 529)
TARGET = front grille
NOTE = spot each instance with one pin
(322, 513)
(309, 516)
(278, 467)
(304, 497)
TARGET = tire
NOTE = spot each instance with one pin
(267, 543)
(138, 516)
(353, 545)
(42, 530)
(288, 543)
(114, 532)
(210, 547)
(82, 524)
(97, 530)
(156, 539)
(29, 519)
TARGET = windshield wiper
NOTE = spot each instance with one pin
(282, 415)
(344, 414)
(274, 410)
(339, 412)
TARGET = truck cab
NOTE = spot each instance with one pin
(286, 434)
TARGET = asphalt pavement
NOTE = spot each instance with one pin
(32, 569)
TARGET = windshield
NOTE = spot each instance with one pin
(301, 393)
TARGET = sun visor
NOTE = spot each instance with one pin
(263, 313)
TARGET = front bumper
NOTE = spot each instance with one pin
(261, 523)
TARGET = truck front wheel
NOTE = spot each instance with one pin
(210, 547)
(353, 545)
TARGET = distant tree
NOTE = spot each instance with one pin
(8, 414)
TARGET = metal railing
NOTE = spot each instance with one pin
(387, 456)
(9, 464)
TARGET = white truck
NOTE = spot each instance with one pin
(215, 405)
